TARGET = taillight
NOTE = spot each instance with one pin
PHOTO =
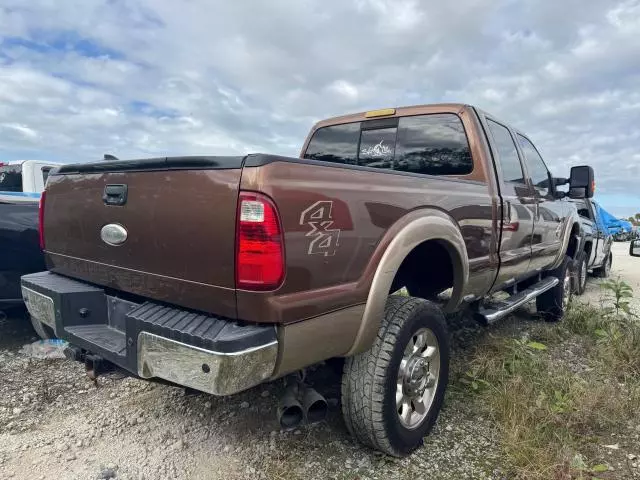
(260, 246)
(41, 218)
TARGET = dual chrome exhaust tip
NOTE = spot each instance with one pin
(299, 404)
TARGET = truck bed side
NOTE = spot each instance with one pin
(338, 222)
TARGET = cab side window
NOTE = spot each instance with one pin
(507, 153)
(433, 144)
(537, 169)
(45, 174)
(583, 209)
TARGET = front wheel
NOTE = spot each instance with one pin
(553, 303)
(392, 394)
(581, 274)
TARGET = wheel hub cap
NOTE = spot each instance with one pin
(417, 378)
(416, 382)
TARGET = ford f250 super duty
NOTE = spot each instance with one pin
(219, 273)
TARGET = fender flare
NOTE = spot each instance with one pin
(566, 237)
(420, 226)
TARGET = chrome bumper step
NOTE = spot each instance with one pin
(489, 315)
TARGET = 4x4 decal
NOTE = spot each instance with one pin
(324, 239)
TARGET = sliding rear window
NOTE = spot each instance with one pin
(433, 144)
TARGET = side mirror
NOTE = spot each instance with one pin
(581, 182)
(634, 248)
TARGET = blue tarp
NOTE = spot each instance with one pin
(611, 223)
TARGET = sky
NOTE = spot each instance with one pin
(139, 78)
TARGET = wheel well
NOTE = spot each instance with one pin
(427, 271)
(574, 240)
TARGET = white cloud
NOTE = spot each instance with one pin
(345, 89)
(153, 77)
(22, 129)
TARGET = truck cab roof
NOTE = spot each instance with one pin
(21, 162)
(25, 177)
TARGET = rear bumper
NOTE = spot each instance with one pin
(151, 340)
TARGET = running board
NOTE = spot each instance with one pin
(492, 315)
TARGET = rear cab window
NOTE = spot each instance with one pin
(430, 144)
(11, 178)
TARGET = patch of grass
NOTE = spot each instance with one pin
(553, 416)
(614, 329)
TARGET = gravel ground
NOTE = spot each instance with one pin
(625, 267)
(56, 424)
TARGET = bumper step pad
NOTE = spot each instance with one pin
(108, 338)
(208, 332)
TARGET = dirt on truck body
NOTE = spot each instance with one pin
(219, 273)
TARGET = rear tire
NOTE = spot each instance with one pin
(580, 273)
(605, 269)
(553, 303)
(392, 393)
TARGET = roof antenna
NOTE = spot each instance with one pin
(108, 156)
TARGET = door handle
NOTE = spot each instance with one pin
(115, 195)
(509, 223)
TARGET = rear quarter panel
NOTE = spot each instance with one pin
(357, 211)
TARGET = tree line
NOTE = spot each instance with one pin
(635, 219)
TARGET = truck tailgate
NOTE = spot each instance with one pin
(177, 217)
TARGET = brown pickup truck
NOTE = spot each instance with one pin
(220, 273)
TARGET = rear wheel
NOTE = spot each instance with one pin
(392, 394)
(605, 269)
(554, 302)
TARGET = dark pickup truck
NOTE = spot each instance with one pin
(19, 245)
(219, 273)
(595, 251)
(21, 182)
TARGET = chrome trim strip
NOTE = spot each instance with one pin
(205, 370)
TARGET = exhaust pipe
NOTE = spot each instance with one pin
(314, 404)
(290, 413)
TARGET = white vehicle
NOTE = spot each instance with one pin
(24, 178)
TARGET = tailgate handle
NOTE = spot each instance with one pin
(115, 195)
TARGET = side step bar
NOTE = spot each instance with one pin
(492, 315)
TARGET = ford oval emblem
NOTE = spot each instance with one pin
(113, 234)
